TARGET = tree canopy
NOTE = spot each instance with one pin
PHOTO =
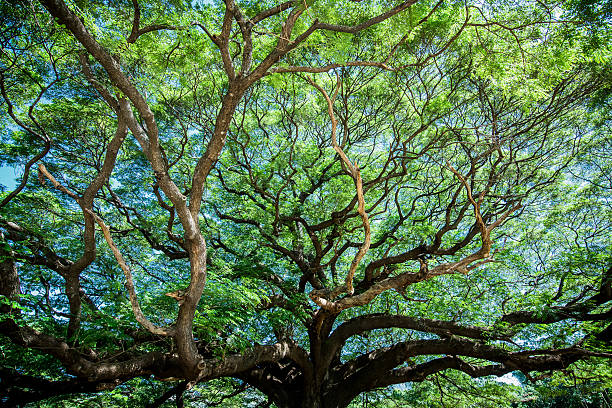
(308, 203)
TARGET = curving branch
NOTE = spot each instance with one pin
(362, 324)
(41, 252)
(365, 323)
(17, 389)
(378, 368)
(137, 31)
(148, 137)
(463, 266)
(354, 172)
(576, 309)
(42, 136)
(160, 364)
(129, 282)
(86, 367)
(86, 203)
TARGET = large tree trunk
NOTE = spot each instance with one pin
(312, 399)
(295, 394)
(316, 399)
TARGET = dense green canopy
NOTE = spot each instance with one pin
(309, 203)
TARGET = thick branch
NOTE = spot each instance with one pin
(235, 364)
(156, 363)
(377, 368)
(17, 389)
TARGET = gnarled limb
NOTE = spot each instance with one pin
(258, 355)
(17, 389)
(378, 368)
(85, 367)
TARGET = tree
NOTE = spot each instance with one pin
(316, 199)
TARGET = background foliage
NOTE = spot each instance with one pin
(514, 95)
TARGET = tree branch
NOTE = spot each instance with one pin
(140, 317)
(353, 170)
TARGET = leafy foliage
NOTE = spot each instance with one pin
(339, 202)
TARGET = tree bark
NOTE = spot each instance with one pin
(9, 279)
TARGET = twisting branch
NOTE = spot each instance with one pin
(483, 255)
(137, 31)
(45, 173)
(353, 170)
(464, 266)
(86, 203)
(147, 135)
(239, 84)
(124, 267)
(384, 65)
(140, 317)
(46, 140)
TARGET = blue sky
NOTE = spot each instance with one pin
(7, 177)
